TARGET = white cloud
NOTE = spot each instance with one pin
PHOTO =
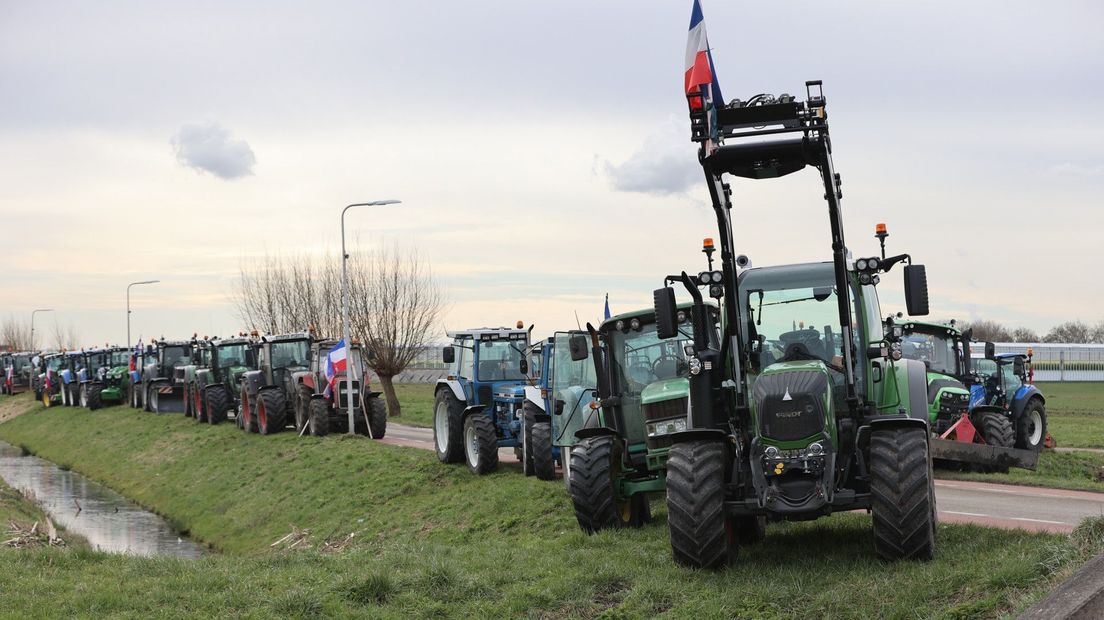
(1077, 170)
(665, 164)
(209, 148)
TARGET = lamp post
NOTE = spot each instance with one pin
(129, 343)
(345, 303)
(33, 312)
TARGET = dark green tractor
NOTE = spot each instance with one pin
(215, 388)
(109, 379)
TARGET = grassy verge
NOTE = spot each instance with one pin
(417, 404)
(1080, 471)
(20, 512)
(433, 540)
(1075, 413)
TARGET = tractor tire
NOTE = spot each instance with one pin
(319, 417)
(480, 444)
(525, 455)
(82, 396)
(448, 427)
(540, 442)
(302, 408)
(271, 412)
(996, 429)
(902, 494)
(199, 407)
(1031, 427)
(71, 394)
(189, 408)
(377, 417)
(46, 400)
(595, 466)
(94, 400)
(701, 536)
(565, 465)
(134, 392)
(248, 415)
(218, 403)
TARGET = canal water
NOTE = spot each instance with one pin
(109, 521)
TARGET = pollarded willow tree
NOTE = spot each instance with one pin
(394, 304)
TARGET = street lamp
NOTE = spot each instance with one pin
(345, 304)
(33, 312)
(129, 343)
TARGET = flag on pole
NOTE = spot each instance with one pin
(336, 361)
(607, 312)
(699, 60)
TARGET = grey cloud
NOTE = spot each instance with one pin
(209, 147)
(1077, 170)
(665, 164)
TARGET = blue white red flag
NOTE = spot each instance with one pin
(49, 383)
(699, 60)
(336, 362)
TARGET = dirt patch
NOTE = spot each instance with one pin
(15, 406)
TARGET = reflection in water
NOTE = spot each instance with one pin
(109, 521)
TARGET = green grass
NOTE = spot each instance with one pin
(1080, 471)
(434, 541)
(417, 404)
(15, 508)
(1075, 413)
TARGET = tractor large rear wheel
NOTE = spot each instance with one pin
(271, 412)
(319, 414)
(902, 493)
(218, 403)
(94, 400)
(1031, 427)
(377, 417)
(199, 407)
(448, 427)
(302, 408)
(701, 535)
(592, 482)
(248, 414)
(540, 444)
(480, 444)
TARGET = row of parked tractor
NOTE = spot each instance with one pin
(266, 384)
(767, 393)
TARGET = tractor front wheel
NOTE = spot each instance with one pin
(377, 417)
(592, 478)
(319, 414)
(271, 414)
(247, 415)
(302, 408)
(218, 403)
(701, 535)
(82, 396)
(540, 448)
(996, 429)
(1031, 427)
(448, 427)
(480, 444)
(198, 405)
(902, 491)
(94, 400)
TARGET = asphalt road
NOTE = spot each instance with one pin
(993, 505)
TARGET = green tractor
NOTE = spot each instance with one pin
(619, 453)
(108, 383)
(801, 407)
(214, 387)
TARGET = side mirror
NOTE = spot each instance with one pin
(448, 355)
(990, 351)
(578, 346)
(666, 326)
(523, 366)
(1018, 366)
(916, 290)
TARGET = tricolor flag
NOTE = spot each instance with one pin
(10, 376)
(335, 363)
(49, 383)
(699, 60)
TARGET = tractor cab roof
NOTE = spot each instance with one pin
(174, 343)
(645, 315)
(489, 333)
(287, 337)
(225, 342)
(786, 276)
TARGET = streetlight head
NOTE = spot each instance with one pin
(379, 203)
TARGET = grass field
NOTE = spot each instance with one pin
(417, 404)
(1075, 413)
(434, 541)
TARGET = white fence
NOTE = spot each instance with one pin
(1058, 362)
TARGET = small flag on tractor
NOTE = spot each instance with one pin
(699, 60)
(335, 363)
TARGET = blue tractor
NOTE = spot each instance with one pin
(480, 406)
(1005, 381)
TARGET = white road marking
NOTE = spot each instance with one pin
(1025, 491)
(1039, 521)
(968, 514)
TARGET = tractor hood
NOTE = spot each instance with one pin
(664, 390)
(939, 383)
(793, 403)
(235, 373)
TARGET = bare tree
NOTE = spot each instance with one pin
(1070, 332)
(1098, 333)
(989, 330)
(1024, 334)
(65, 338)
(15, 334)
(394, 303)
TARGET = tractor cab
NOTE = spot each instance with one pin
(945, 353)
(230, 358)
(279, 357)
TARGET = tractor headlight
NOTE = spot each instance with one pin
(695, 366)
(771, 452)
(860, 264)
(717, 277)
(620, 325)
(816, 449)
(666, 427)
(635, 325)
(703, 277)
(872, 264)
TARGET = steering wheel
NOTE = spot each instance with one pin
(661, 358)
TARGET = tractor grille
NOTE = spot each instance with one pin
(791, 404)
(663, 410)
(343, 394)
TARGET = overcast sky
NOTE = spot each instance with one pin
(540, 149)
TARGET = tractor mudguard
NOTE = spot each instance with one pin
(470, 410)
(895, 421)
(986, 408)
(533, 395)
(696, 434)
(454, 385)
(1023, 396)
(597, 431)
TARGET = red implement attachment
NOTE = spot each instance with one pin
(963, 443)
